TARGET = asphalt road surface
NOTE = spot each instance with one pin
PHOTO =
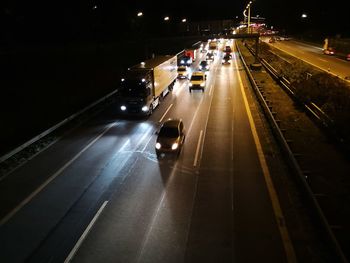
(99, 194)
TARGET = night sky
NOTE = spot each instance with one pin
(60, 20)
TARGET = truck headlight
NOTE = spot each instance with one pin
(190, 84)
(202, 84)
(123, 108)
(158, 146)
(174, 146)
(144, 108)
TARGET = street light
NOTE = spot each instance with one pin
(166, 18)
(184, 20)
(247, 16)
(303, 15)
(139, 14)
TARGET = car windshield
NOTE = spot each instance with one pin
(197, 78)
(168, 132)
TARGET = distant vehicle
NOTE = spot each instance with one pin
(171, 137)
(191, 53)
(203, 48)
(226, 59)
(203, 65)
(197, 81)
(339, 47)
(329, 51)
(228, 49)
(213, 46)
(210, 56)
(145, 84)
(186, 61)
(182, 72)
(272, 40)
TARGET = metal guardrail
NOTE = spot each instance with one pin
(53, 128)
(293, 162)
(310, 107)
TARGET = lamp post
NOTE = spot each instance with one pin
(247, 17)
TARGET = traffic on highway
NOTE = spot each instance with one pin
(180, 168)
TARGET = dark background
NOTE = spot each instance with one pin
(62, 21)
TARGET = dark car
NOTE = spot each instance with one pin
(171, 137)
(226, 59)
(204, 65)
(210, 56)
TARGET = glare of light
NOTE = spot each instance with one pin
(139, 14)
(174, 146)
(184, 20)
(166, 18)
(143, 64)
(304, 15)
(123, 108)
(94, 7)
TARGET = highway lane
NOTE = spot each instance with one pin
(314, 56)
(212, 208)
(210, 203)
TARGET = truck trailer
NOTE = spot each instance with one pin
(145, 84)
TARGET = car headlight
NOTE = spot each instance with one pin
(182, 61)
(202, 84)
(188, 62)
(123, 108)
(158, 146)
(174, 146)
(207, 67)
(144, 108)
(190, 84)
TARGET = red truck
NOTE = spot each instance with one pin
(191, 53)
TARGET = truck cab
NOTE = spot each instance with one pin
(136, 89)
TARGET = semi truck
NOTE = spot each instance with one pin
(337, 46)
(145, 84)
(191, 53)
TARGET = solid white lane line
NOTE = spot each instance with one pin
(276, 207)
(165, 113)
(211, 89)
(198, 149)
(86, 232)
(52, 177)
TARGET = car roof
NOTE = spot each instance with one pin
(198, 73)
(172, 123)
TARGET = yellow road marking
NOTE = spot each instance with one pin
(288, 246)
